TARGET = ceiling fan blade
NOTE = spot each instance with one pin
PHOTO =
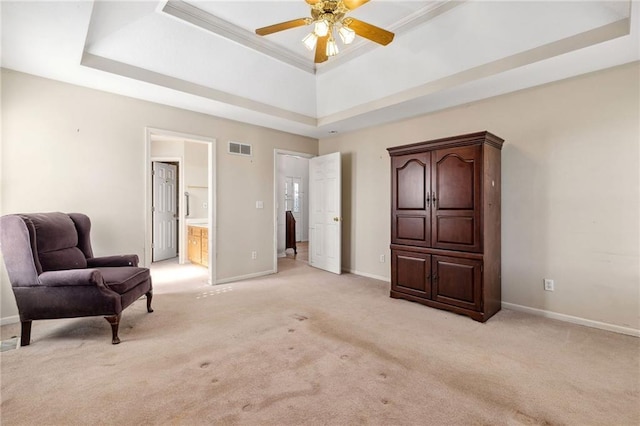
(370, 32)
(353, 4)
(282, 26)
(321, 49)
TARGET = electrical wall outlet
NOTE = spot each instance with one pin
(254, 254)
(382, 258)
(549, 285)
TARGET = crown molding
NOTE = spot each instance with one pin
(406, 24)
(140, 74)
(206, 21)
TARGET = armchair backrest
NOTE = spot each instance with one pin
(39, 242)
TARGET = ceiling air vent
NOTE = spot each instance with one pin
(239, 148)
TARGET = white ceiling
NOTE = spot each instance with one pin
(203, 55)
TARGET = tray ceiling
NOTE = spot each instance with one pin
(204, 55)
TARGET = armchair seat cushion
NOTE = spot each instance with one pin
(124, 278)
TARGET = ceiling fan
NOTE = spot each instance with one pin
(328, 16)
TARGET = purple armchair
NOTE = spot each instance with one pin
(53, 272)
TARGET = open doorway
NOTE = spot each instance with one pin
(291, 206)
(192, 198)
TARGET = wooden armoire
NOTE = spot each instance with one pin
(445, 224)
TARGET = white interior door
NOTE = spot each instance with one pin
(325, 212)
(165, 212)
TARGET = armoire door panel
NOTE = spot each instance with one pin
(411, 185)
(455, 182)
(456, 178)
(411, 228)
(411, 207)
(457, 230)
(457, 281)
(412, 273)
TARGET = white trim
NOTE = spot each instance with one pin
(472, 75)
(211, 216)
(206, 21)
(404, 25)
(202, 19)
(245, 277)
(574, 320)
(365, 274)
(10, 320)
(212, 213)
(140, 74)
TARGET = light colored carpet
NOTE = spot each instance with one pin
(309, 347)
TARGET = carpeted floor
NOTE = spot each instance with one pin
(309, 347)
(302, 249)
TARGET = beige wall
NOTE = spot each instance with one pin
(68, 148)
(571, 194)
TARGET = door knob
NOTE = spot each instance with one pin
(336, 219)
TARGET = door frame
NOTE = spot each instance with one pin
(179, 234)
(277, 152)
(151, 133)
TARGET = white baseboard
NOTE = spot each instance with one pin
(244, 277)
(365, 274)
(10, 320)
(574, 320)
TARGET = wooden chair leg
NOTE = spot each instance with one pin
(149, 297)
(25, 335)
(114, 320)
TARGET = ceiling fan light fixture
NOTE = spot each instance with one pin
(310, 41)
(332, 47)
(329, 17)
(321, 28)
(347, 34)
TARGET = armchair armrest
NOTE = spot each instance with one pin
(71, 277)
(123, 260)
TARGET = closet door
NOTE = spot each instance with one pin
(410, 205)
(456, 191)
